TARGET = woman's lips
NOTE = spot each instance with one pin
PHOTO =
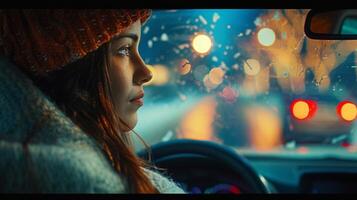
(138, 100)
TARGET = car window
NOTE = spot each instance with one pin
(249, 79)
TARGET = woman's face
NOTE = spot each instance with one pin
(129, 73)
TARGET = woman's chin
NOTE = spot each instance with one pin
(130, 122)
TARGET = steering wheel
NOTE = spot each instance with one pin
(186, 152)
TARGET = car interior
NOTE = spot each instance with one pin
(249, 100)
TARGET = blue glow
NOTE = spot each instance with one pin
(349, 26)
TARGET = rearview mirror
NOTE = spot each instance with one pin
(331, 24)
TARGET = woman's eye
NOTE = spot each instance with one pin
(124, 51)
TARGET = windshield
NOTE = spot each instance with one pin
(249, 79)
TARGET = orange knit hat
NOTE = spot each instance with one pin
(40, 41)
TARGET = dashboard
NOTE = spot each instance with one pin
(288, 175)
(206, 167)
(283, 175)
(328, 183)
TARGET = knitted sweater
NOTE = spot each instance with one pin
(59, 157)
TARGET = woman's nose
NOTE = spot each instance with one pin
(143, 74)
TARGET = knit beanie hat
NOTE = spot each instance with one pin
(40, 41)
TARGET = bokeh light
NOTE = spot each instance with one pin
(229, 94)
(347, 110)
(251, 67)
(216, 75)
(202, 43)
(265, 127)
(184, 67)
(303, 109)
(197, 124)
(266, 36)
(208, 84)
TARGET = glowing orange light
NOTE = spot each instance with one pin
(184, 67)
(209, 85)
(303, 150)
(265, 128)
(197, 123)
(216, 75)
(303, 109)
(347, 110)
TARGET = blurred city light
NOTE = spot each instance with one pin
(216, 75)
(198, 123)
(266, 36)
(208, 84)
(251, 67)
(201, 43)
(265, 127)
(229, 94)
(184, 67)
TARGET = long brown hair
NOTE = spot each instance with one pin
(82, 90)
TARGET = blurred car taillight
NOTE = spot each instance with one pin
(347, 110)
(302, 109)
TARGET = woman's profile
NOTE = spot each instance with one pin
(71, 84)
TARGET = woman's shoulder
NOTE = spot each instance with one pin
(59, 157)
(41, 149)
(164, 183)
(59, 169)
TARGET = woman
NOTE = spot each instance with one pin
(87, 64)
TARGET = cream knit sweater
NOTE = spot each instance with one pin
(60, 158)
